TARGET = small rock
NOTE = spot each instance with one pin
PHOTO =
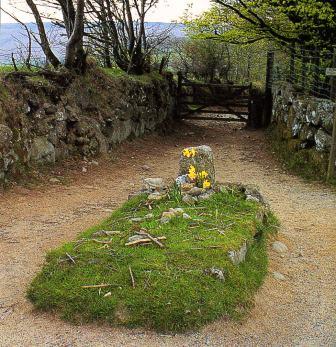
(186, 216)
(167, 217)
(177, 211)
(252, 194)
(206, 196)
(217, 273)
(196, 191)
(94, 162)
(145, 167)
(136, 220)
(154, 184)
(84, 169)
(186, 187)
(188, 199)
(149, 216)
(279, 276)
(156, 196)
(252, 198)
(54, 180)
(239, 256)
(182, 180)
(279, 247)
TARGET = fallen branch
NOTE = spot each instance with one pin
(70, 257)
(144, 241)
(155, 240)
(96, 286)
(132, 277)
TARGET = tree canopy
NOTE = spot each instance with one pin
(311, 22)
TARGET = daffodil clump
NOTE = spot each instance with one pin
(200, 178)
(189, 153)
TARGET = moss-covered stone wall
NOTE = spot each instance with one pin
(302, 125)
(44, 119)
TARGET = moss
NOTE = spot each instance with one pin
(307, 163)
(172, 292)
(145, 78)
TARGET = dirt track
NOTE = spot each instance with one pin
(298, 311)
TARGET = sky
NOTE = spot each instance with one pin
(166, 11)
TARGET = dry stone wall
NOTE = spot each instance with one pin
(305, 122)
(43, 121)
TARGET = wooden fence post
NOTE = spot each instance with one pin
(268, 90)
(332, 157)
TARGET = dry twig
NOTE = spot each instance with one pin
(132, 277)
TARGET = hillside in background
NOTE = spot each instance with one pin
(13, 37)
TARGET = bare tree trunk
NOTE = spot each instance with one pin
(43, 36)
(74, 47)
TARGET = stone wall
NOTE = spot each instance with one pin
(44, 120)
(304, 122)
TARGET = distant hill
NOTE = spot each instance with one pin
(13, 37)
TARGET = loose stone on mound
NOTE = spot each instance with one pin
(188, 199)
(154, 184)
(239, 256)
(217, 273)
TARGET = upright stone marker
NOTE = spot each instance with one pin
(197, 165)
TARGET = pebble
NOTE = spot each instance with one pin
(84, 169)
(206, 196)
(156, 196)
(136, 220)
(149, 216)
(156, 184)
(167, 216)
(279, 276)
(195, 191)
(54, 180)
(188, 199)
(279, 247)
(145, 167)
(218, 273)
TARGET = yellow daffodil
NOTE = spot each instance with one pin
(203, 175)
(193, 152)
(192, 173)
(186, 153)
(206, 184)
(189, 153)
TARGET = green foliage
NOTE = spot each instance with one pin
(311, 22)
(203, 60)
(172, 292)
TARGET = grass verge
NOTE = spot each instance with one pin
(171, 290)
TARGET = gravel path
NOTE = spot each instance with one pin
(300, 310)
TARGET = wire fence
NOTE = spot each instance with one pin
(305, 69)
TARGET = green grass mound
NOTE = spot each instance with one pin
(98, 278)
